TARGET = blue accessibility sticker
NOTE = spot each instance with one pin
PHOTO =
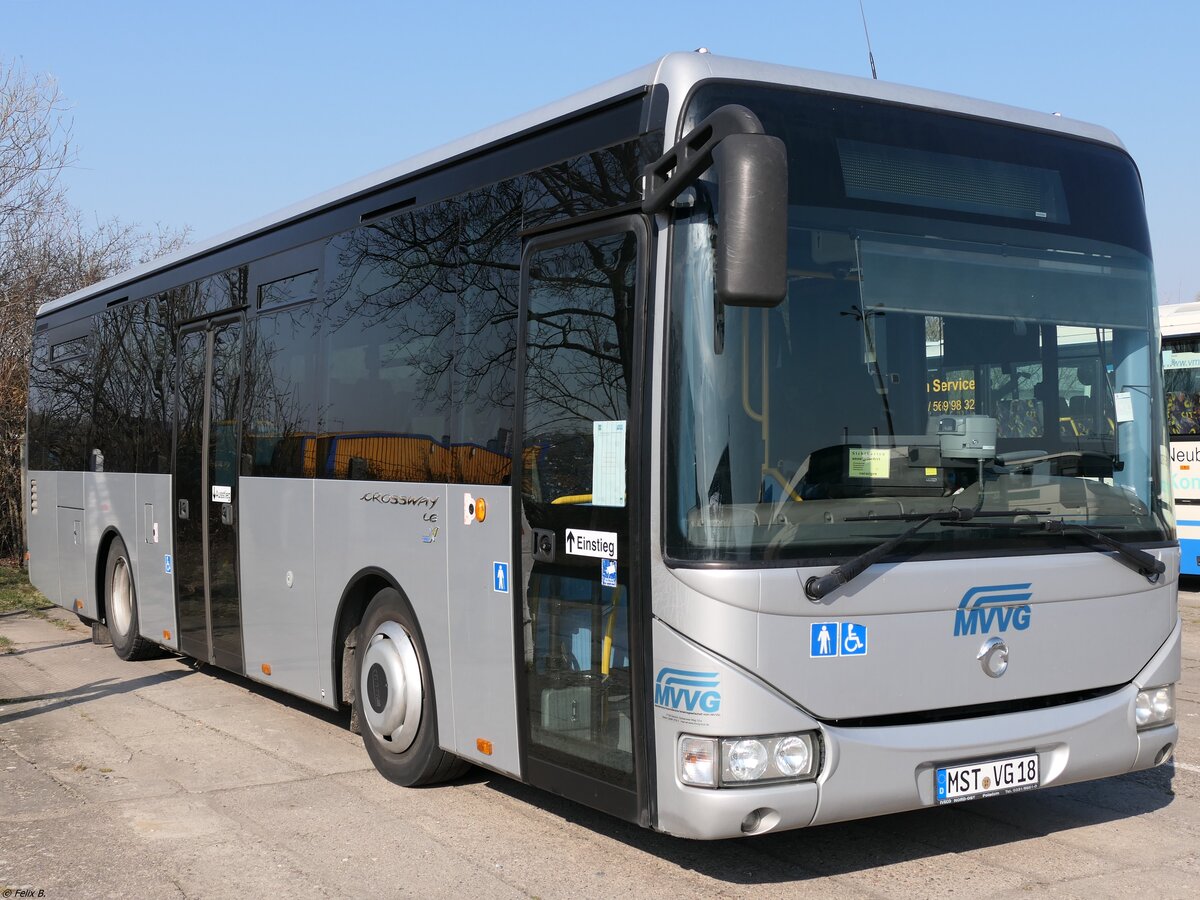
(608, 572)
(167, 564)
(854, 639)
(830, 639)
(823, 639)
(500, 577)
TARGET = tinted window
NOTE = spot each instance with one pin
(389, 334)
(485, 328)
(281, 395)
(857, 154)
(61, 403)
(598, 180)
(211, 295)
(38, 412)
(118, 388)
(578, 370)
(293, 289)
(150, 346)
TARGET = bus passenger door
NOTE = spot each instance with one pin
(581, 607)
(207, 453)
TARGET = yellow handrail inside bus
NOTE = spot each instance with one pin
(610, 626)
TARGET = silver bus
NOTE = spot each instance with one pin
(1181, 380)
(703, 448)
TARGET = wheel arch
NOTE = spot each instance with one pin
(110, 534)
(360, 590)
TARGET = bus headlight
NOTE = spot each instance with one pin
(745, 760)
(1154, 707)
(748, 760)
(793, 756)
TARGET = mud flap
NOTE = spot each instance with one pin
(348, 680)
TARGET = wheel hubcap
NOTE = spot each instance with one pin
(391, 686)
(121, 598)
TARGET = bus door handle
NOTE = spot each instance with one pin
(226, 513)
(183, 510)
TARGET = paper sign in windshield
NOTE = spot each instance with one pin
(608, 463)
(1123, 401)
(870, 462)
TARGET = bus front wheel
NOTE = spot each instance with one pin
(394, 698)
(120, 605)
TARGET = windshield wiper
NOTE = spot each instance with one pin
(1022, 459)
(1139, 560)
(816, 588)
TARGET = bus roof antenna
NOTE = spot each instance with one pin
(870, 55)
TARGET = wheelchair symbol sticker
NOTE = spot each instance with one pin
(854, 639)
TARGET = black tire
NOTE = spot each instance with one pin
(408, 754)
(120, 606)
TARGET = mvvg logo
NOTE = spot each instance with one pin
(687, 691)
(993, 606)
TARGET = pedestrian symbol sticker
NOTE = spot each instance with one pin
(832, 639)
(500, 577)
(823, 639)
(854, 639)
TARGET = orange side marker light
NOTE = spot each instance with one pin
(166, 635)
(480, 509)
(266, 668)
(483, 746)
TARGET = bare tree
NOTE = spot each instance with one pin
(46, 251)
(35, 147)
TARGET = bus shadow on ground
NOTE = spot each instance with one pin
(38, 649)
(95, 690)
(810, 853)
(340, 716)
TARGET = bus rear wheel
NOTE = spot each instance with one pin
(120, 604)
(394, 698)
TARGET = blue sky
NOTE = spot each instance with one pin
(214, 113)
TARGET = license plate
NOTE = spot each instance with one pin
(987, 779)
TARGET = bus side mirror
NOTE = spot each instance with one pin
(751, 263)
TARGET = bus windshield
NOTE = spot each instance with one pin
(967, 324)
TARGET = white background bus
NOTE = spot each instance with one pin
(600, 449)
(1181, 380)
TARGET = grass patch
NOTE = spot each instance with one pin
(16, 593)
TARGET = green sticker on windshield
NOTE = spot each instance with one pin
(869, 462)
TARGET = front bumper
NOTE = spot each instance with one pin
(874, 771)
(879, 770)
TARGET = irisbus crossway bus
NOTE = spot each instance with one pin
(1181, 380)
(729, 447)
